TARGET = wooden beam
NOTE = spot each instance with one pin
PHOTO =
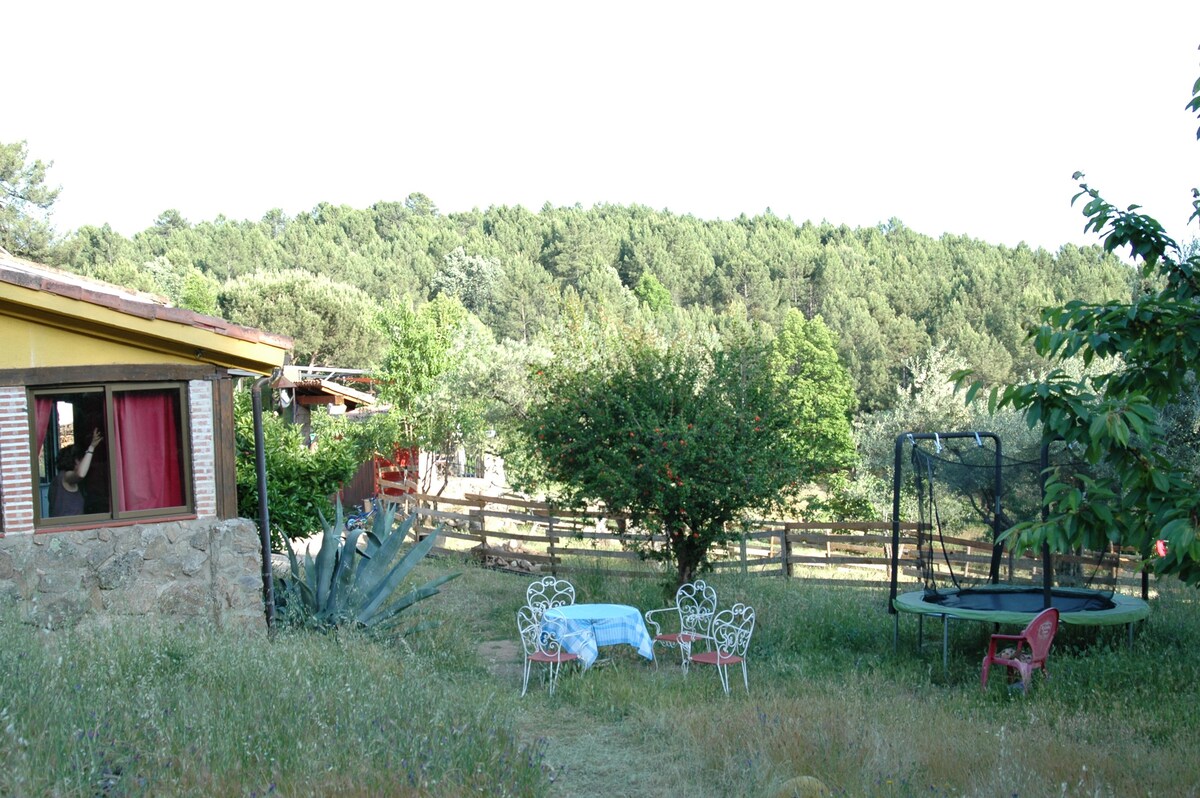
(319, 400)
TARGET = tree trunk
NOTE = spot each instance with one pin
(685, 572)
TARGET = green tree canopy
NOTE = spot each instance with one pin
(822, 399)
(331, 323)
(682, 439)
(651, 293)
(25, 202)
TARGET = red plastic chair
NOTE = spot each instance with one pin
(1029, 650)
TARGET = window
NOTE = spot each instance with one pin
(461, 463)
(139, 463)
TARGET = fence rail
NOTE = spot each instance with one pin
(556, 539)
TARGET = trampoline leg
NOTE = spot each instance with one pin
(895, 632)
(920, 632)
(945, 644)
(1131, 636)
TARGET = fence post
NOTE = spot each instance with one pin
(550, 541)
(785, 552)
(742, 551)
(478, 523)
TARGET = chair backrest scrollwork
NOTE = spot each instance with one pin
(731, 630)
(697, 604)
(533, 638)
(548, 592)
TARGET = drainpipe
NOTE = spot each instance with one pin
(264, 513)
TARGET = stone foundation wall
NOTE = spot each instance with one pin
(200, 571)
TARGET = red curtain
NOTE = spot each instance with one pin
(41, 417)
(147, 450)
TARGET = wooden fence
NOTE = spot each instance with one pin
(846, 553)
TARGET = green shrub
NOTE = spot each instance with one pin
(300, 479)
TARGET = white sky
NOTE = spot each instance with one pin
(960, 117)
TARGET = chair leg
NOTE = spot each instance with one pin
(553, 677)
(685, 654)
(723, 672)
(745, 677)
(525, 677)
(1026, 676)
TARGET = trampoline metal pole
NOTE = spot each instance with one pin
(945, 644)
(895, 569)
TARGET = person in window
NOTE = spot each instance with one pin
(65, 496)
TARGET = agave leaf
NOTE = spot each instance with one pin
(392, 540)
(377, 593)
(293, 563)
(341, 580)
(327, 557)
(390, 629)
(310, 578)
(307, 597)
(394, 608)
(381, 526)
(381, 508)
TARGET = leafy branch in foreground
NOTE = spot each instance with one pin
(1145, 352)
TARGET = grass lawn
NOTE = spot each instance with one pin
(191, 712)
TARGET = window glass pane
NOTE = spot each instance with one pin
(71, 480)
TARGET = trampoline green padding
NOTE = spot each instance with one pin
(1017, 604)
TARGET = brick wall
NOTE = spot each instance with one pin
(16, 481)
(204, 472)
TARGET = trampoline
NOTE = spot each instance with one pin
(1017, 604)
(995, 602)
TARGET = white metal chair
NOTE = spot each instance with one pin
(542, 646)
(695, 606)
(731, 630)
(547, 592)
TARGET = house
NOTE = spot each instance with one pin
(142, 394)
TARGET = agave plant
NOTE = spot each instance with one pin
(349, 584)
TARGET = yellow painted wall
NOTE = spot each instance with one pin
(27, 345)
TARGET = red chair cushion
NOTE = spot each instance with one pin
(542, 656)
(715, 658)
(678, 637)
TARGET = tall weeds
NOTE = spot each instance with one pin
(192, 712)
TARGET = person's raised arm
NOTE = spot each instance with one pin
(85, 462)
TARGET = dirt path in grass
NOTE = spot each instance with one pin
(588, 757)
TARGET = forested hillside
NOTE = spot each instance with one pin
(888, 293)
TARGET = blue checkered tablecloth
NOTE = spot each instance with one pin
(609, 624)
